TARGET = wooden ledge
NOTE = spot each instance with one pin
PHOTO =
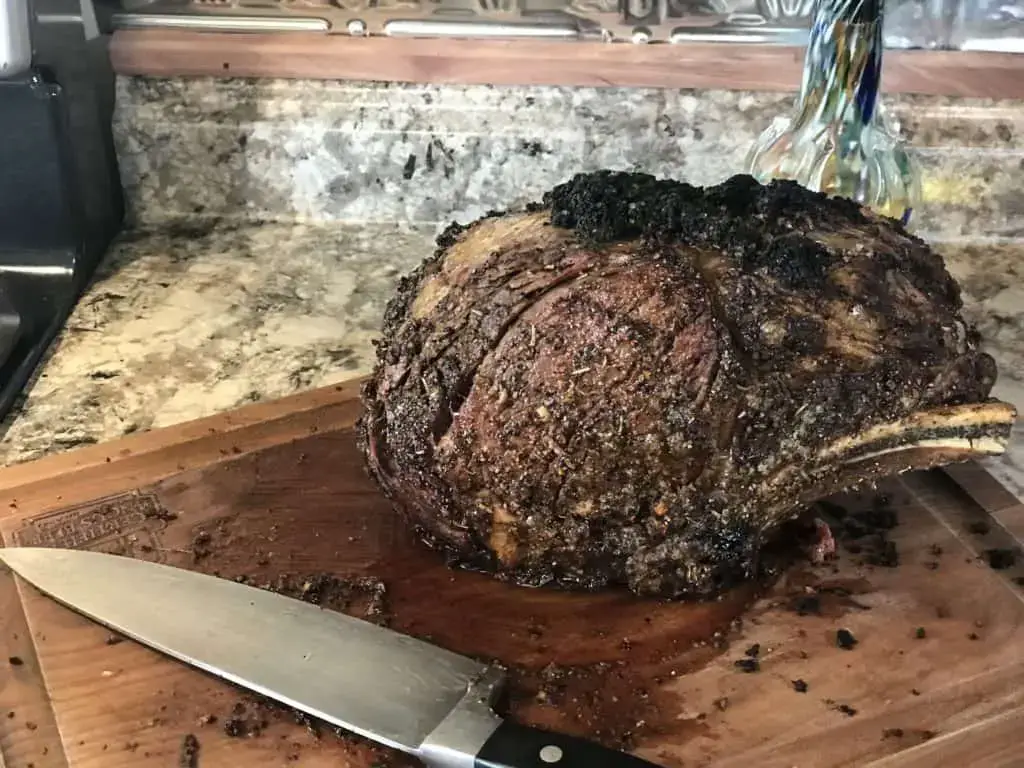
(737, 66)
(111, 466)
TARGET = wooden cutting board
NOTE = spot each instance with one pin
(275, 493)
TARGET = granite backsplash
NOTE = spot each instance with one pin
(322, 151)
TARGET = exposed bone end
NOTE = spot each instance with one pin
(975, 429)
(923, 440)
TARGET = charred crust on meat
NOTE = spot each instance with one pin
(747, 664)
(636, 381)
(188, 755)
(845, 639)
(1001, 558)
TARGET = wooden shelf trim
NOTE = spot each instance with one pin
(737, 66)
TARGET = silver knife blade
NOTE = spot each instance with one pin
(381, 684)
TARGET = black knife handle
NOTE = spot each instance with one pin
(518, 746)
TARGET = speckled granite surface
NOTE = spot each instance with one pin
(190, 320)
(328, 150)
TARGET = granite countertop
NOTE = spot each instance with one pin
(188, 319)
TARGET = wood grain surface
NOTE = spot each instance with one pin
(169, 53)
(275, 493)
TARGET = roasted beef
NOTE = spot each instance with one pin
(637, 381)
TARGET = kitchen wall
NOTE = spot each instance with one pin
(326, 150)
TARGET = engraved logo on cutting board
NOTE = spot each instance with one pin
(125, 524)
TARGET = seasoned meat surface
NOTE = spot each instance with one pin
(636, 381)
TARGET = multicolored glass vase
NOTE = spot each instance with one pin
(838, 139)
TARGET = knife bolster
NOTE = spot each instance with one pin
(457, 740)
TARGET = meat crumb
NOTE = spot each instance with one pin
(800, 686)
(201, 546)
(189, 755)
(722, 704)
(886, 555)
(846, 709)
(243, 723)
(235, 727)
(753, 651)
(1001, 559)
(747, 665)
(865, 532)
(825, 546)
(159, 513)
(365, 597)
(892, 733)
(807, 605)
(15, 661)
(845, 639)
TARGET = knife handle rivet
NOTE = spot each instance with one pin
(550, 753)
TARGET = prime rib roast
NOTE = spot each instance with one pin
(637, 381)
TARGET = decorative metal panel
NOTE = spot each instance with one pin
(974, 24)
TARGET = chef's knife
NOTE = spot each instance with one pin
(384, 685)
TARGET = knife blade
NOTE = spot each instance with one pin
(383, 685)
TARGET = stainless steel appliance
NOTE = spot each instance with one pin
(60, 194)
